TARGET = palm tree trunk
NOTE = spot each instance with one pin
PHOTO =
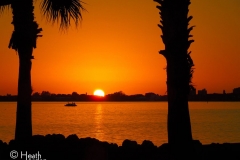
(23, 41)
(23, 119)
(179, 126)
(175, 35)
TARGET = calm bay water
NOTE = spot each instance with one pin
(116, 121)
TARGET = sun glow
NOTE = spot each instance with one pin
(99, 92)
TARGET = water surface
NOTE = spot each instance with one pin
(117, 121)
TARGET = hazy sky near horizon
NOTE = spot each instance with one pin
(116, 46)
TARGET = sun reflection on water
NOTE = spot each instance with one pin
(99, 133)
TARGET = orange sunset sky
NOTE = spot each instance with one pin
(116, 46)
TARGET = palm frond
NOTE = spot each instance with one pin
(63, 10)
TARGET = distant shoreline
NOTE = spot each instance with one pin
(121, 97)
(124, 101)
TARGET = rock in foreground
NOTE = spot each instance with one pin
(57, 147)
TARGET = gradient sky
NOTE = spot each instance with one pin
(116, 46)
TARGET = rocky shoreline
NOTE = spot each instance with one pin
(57, 147)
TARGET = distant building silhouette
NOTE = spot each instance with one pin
(202, 92)
(224, 92)
(236, 90)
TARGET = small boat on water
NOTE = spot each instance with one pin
(71, 104)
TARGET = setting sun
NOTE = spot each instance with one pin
(99, 92)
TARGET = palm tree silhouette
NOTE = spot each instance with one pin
(23, 40)
(175, 36)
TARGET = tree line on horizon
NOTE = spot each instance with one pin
(174, 25)
(121, 96)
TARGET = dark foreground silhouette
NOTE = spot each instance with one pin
(57, 147)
